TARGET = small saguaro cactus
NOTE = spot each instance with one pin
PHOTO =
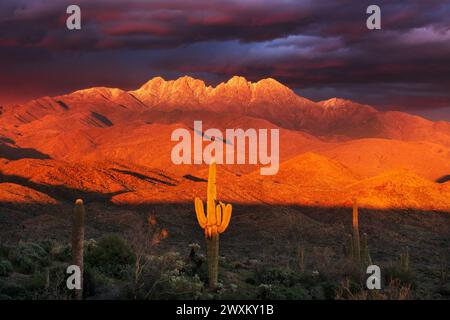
(404, 260)
(356, 240)
(366, 260)
(214, 223)
(349, 248)
(357, 251)
(78, 242)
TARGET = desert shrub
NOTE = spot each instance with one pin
(4, 251)
(167, 277)
(278, 276)
(112, 255)
(28, 257)
(99, 284)
(404, 277)
(48, 245)
(180, 286)
(264, 291)
(395, 290)
(15, 292)
(284, 283)
(36, 282)
(61, 253)
(5, 268)
(57, 287)
(280, 292)
(57, 251)
(349, 289)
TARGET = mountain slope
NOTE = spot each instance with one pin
(369, 157)
(266, 99)
(112, 144)
(401, 189)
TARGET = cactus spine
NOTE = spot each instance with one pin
(215, 222)
(77, 242)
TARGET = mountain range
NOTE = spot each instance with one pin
(108, 142)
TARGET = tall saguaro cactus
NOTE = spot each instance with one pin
(215, 222)
(78, 241)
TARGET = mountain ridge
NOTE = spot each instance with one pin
(266, 99)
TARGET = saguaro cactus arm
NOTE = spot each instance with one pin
(200, 213)
(218, 214)
(226, 217)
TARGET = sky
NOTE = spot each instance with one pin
(320, 49)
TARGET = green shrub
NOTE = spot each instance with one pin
(393, 273)
(111, 255)
(4, 297)
(16, 292)
(5, 268)
(180, 286)
(4, 251)
(61, 253)
(278, 276)
(36, 282)
(280, 292)
(167, 277)
(28, 257)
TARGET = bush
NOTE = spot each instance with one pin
(279, 276)
(111, 255)
(167, 277)
(61, 253)
(180, 286)
(4, 251)
(395, 273)
(27, 257)
(279, 292)
(5, 268)
(15, 292)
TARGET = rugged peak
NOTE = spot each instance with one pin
(338, 103)
(100, 91)
(238, 81)
(270, 82)
(335, 102)
(189, 81)
(156, 81)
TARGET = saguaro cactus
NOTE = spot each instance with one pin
(77, 242)
(356, 240)
(366, 260)
(215, 222)
(404, 260)
(358, 250)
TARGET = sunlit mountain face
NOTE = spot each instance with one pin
(291, 118)
(350, 147)
(315, 48)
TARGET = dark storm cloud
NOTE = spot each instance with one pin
(321, 47)
(170, 23)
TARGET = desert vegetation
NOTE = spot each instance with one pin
(312, 255)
